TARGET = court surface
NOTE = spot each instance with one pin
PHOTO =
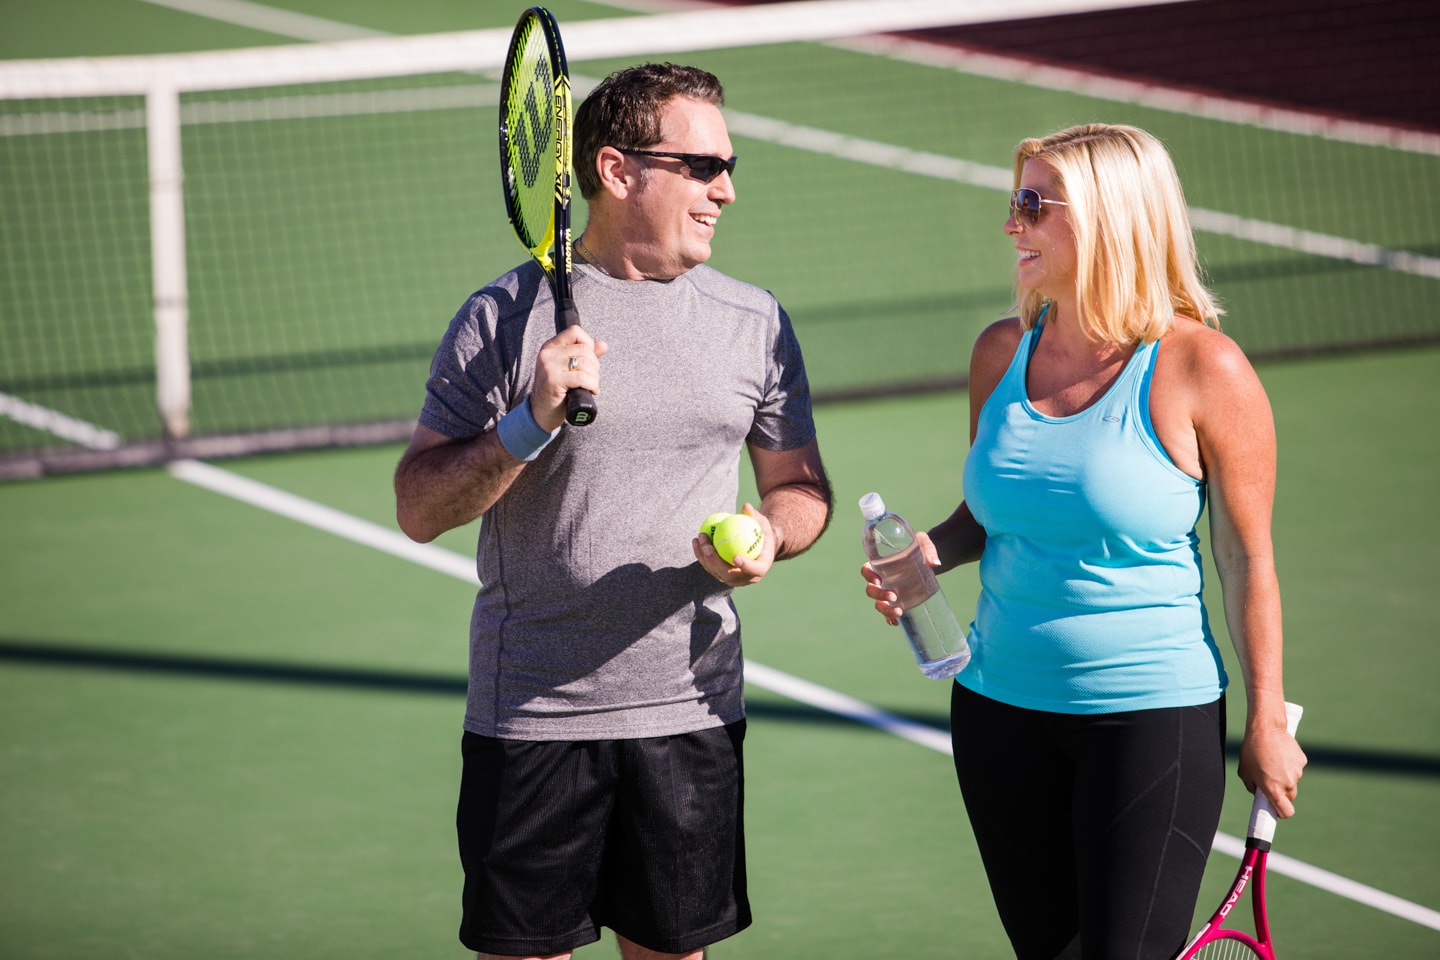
(230, 695)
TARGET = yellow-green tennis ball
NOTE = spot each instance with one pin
(709, 524)
(737, 535)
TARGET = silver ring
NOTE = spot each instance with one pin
(574, 363)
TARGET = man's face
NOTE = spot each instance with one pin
(672, 213)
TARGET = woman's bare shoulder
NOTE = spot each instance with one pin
(997, 342)
(1205, 370)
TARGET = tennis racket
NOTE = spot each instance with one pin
(1215, 942)
(535, 163)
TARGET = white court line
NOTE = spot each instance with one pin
(58, 424)
(831, 701)
(1336, 884)
(324, 518)
(300, 107)
(267, 19)
(284, 23)
(756, 127)
(1036, 73)
(941, 167)
(1102, 86)
(904, 14)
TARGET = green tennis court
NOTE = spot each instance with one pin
(226, 730)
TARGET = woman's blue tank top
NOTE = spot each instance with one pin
(1091, 580)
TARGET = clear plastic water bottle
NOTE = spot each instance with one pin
(930, 625)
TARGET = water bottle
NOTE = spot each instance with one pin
(930, 625)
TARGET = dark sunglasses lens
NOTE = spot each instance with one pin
(1025, 204)
(708, 168)
(705, 168)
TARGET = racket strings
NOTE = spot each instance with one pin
(537, 126)
(1228, 947)
(530, 153)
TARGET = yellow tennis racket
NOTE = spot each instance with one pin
(535, 163)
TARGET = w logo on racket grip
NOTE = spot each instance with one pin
(532, 149)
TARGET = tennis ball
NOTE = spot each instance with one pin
(708, 525)
(737, 535)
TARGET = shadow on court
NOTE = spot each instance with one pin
(395, 681)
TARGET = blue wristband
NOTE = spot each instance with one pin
(521, 435)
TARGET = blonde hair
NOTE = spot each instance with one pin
(1138, 268)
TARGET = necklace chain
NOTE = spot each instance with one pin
(588, 256)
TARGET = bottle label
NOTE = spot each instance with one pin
(908, 575)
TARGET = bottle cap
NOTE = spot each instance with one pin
(871, 506)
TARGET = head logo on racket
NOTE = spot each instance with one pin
(1215, 942)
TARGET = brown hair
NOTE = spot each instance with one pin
(624, 111)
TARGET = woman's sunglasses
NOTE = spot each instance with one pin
(702, 166)
(1025, 205)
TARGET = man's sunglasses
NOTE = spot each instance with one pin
(1025, 205)
(702, 166)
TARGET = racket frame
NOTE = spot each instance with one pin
(552, 248)
(1258, 838)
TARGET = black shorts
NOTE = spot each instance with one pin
(560, 838)
(1094, 829)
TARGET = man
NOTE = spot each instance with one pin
(602, 778)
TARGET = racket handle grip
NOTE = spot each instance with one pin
(580, 408)
(1262, 814)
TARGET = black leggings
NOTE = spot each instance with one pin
(1094, 829)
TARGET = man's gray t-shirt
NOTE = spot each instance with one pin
(594, 620)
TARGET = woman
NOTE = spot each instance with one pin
(1089, 726)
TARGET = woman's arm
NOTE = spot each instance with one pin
(1235, 437)
(959, 538)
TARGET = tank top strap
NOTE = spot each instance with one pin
(1144, 362)
(1134, 380)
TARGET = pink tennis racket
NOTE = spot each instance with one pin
(1217, 942)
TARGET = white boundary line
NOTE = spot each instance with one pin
(1154, 96)
(345, 51)
(754, 126)
(321, 517)
(814, 20)
(54, 422)
(372, 56)
(832, 701)
(267, 19)
(936, 165)
(1336, 884)
(446, 561)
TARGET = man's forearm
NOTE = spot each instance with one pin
(799, 514)
(447, 485)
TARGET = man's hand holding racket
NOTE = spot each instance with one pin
(567, 361)
(535, 168)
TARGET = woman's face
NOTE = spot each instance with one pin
(1047, 257)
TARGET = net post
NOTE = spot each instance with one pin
(167, 255)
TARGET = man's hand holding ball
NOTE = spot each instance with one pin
(736, 548)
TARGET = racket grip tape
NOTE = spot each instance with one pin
(580, 408)
(1262, 814)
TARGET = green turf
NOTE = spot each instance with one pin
(224, 734)
(247, 736)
